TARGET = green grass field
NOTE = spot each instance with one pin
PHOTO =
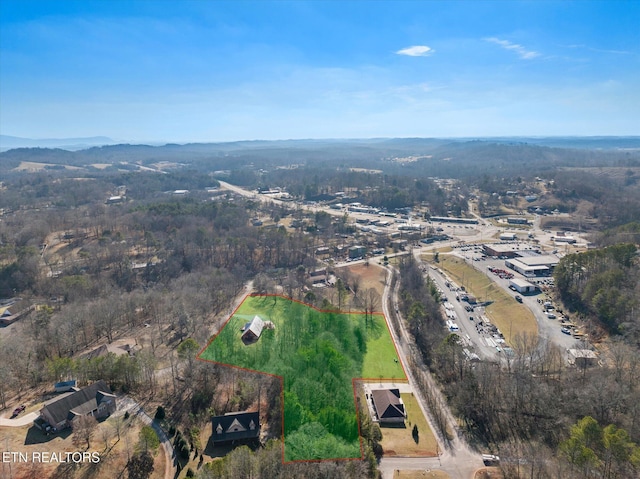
(317, 355)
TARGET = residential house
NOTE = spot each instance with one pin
(388, 405)
(235, 427)
(95, 400)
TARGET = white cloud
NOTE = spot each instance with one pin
(519, 49)
(416, 51)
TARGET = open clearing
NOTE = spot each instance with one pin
(371, 276)
(420, 475)
(399, 441)
(113, 452)
(317, 355)
(35, 166)
(506, 313)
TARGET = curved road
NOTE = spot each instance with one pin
(456, 458)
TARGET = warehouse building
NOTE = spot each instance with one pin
(522, 286)
(495, 249)
(531, 266)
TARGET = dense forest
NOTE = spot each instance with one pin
(603, 285)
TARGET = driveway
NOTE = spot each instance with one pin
(19, 421)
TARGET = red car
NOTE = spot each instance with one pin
(18, 410)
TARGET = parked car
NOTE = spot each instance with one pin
(566, 330)
(18, 410)
(518, 298)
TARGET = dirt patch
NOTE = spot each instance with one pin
(372, 276)
(488, 473)
(420, 475)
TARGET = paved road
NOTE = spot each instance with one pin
(127, 404)
(456, 458)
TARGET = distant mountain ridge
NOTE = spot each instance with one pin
(8, 142)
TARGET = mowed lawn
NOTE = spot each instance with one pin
(399, 441)
(511, 317)
(318, 354)
(381, 359)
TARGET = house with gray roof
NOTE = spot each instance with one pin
(95, 400)
(253, 330)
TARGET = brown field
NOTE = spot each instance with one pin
(506, 313)
(113, 452)
(34, 166)
(420, 475)
(372, 276)
(398, 441)
(488, 473)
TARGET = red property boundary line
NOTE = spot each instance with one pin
(281, 378)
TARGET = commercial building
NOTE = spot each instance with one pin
(452, 219)
(522, 286)
(531, 266)
(495, 249)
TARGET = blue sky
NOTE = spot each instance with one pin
(230, 70)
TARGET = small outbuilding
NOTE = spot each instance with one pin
(522, 286)
(582, 357)
(253, 330)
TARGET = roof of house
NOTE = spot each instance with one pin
(79, 402)
(388, 403)
(255, 327)
(235, 426)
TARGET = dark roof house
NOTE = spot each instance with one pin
(235, 426)
(95, 400)
(388, 405)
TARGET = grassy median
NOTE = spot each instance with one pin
(511, 317)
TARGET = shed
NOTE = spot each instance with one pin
(253, 330)
(582, 357)
(522, 286)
